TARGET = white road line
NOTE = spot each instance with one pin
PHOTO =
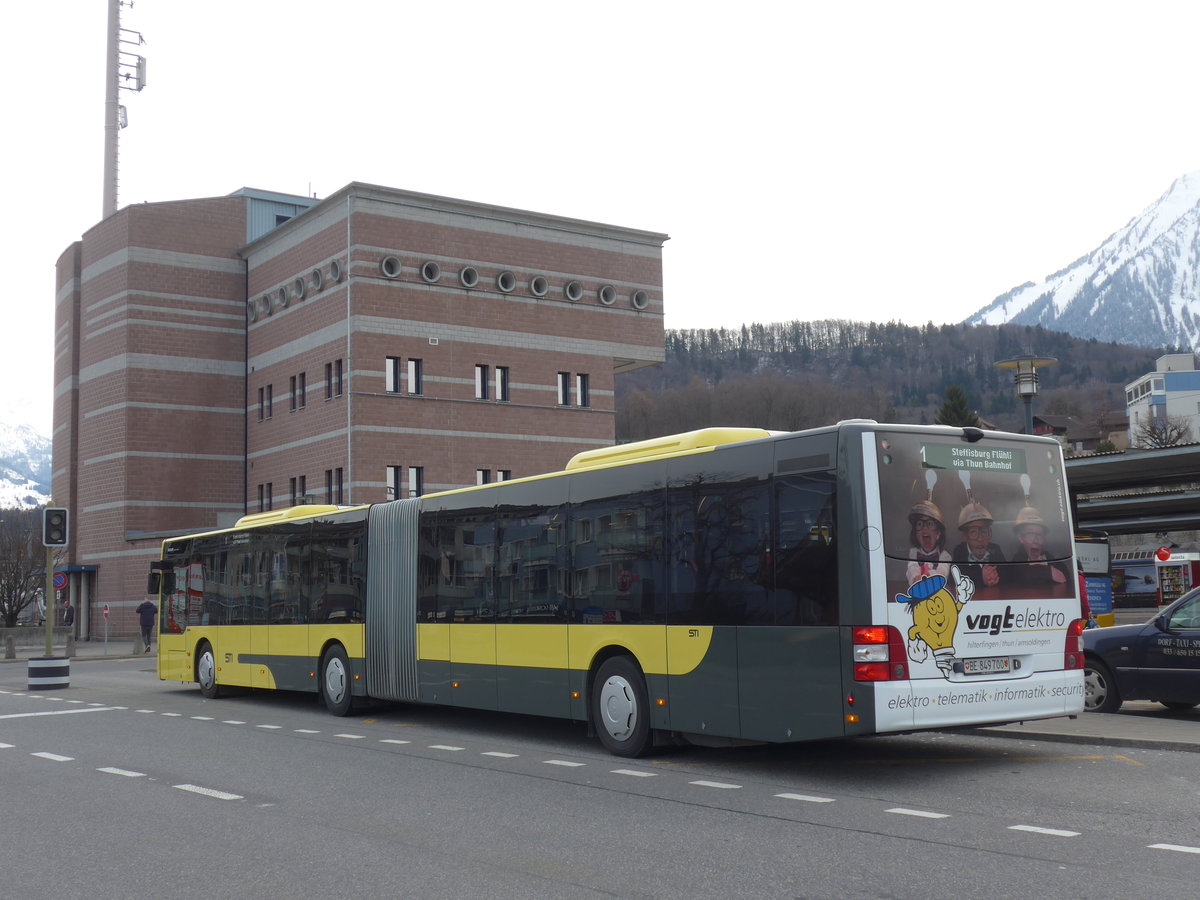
(209, 792)
(351, 737)
(6, 746)
(56, 712)
(807, 798)
(232, 722)
(173, 715)
(128, 774)
(498, 754)
(919, 813)
(716, 784)
(53, 757)
(634, 772)
(144, 710)
(203, 718)
(563, 762)
(1056, 832)
(305, 731)
(269, 727)
(444, 747)
(1178, 848)
(393, 741)
(59, 698)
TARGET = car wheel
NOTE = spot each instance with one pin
(620, 708)
(1100, 692)
(335, 681)
(206, 671)
(1178, 706)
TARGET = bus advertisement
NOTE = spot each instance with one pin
(719, 587)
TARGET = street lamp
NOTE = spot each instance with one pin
(1025, 377)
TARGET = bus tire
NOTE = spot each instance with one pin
(206, 671)
(335, 681)
(1100, 692)
(621, 708)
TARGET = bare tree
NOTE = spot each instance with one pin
(22, 562)
(1163, 432)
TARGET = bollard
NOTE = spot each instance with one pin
(49, 673)
(70, 645)
(10, 647)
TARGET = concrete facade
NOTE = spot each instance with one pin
(1171, 391)
(219, 356)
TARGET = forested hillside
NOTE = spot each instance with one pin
(793, 375)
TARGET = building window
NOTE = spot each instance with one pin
(564, 388)
(328, 381)
(394, 476)
(261, 498)
(339, 486)
(292, 489)
(270, 399)
(415, 378)
(270, 496)
(391, 374)
(261, 404)
(481, 382)
(483, 476)
(504, 474)
(302, 487)
(337, 377)
(292, 394)
(329, 485)
(302, 388)
(502, 383)
(583, 395)
(416, 481)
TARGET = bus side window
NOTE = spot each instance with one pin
(805, 556)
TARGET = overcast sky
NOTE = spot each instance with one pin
(871, 160)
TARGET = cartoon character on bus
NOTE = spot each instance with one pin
(935, 610)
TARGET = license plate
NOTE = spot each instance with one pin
(987, 665)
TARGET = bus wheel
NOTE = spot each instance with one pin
(620, 708)
(1100, 692)
(335, 681)
(206, 672)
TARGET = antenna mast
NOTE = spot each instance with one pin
(124, 71)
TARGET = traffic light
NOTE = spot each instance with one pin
(54, 527)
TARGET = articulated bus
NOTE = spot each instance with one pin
(718, 587)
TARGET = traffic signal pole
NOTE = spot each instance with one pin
(49, 601)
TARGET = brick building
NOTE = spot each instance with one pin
(220, 356)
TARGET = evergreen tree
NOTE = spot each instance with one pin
(956, 410)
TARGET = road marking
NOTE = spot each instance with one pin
(1178, 848)
(232, 722)
(6, 746)
(59, 698)
(144, 710)
(173, 715)
(53, 757)
(269, 727)
(807, 798)
(306, 731)
(716, 784)
(498, 754)
(636, 773)
(563, 762)
(444, 747)
(56, 712)
(209, 792)
(351, 737)
(203, 718)
(1056, 832)
(393, 741)
(919, 813)
(128, 774)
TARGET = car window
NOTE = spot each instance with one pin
(1186, 615)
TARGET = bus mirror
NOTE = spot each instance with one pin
(152, 583)
(160, 580)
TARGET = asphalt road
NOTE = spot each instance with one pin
(124, 786)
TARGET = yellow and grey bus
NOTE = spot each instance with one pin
(717, 587)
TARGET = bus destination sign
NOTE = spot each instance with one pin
(973, 458)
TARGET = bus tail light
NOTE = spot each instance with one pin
(879, 654)
(1073, 652)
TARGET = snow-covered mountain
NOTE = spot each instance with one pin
(1141, 286)
(24, 465)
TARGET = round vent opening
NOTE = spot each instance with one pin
(284, 299)
(252, 311)
(335, 271)
(608, 295)
(573, 291)
(389, 266)
(538, 285)
(639, 299)
(299, 289)
(506, 281)
(469, 277)
(431, 271)
(316, 279)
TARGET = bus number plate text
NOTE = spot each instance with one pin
(987, 665)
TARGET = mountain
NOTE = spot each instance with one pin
(1141, 286)
(24, 465)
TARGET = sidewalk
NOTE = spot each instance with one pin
(116, 648)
